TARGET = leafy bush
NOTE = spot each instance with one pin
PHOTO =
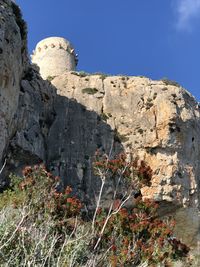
(41, 218)
(104, 116)
(42, 227)
(136, 235)
(80, 73)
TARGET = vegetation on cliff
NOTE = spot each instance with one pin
(43, 227)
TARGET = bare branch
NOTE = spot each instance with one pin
(3, 166)
(16, 229)
(110, 214)
(98, 203)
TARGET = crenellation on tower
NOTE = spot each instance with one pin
(54, 56)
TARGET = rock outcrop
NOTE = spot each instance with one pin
(13, 63)
(63, 122)
(156, 121)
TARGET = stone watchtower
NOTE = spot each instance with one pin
(54, 56)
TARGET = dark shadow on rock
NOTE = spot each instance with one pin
(61, 133)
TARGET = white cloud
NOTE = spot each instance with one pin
(187, 11)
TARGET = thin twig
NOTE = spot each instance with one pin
(48, 257)
(110, 214)
(98, 203)
(103, 180)
(17, 228)
(3, 166)
(66, 241)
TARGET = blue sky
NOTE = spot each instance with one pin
(153, 38)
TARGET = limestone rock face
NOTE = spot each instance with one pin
(159, 123)
(64, 122)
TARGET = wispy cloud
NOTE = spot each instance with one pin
(187, 11)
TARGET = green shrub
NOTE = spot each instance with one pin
(50, 78)
(34, 218)
(80, 73)
(104, 116)
(83, 74)
(89, 91)
(136, 235)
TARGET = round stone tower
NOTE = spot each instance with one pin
(54, 56)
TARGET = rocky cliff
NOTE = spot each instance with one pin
(63, 122)
(13, 62)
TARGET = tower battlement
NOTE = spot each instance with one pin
(54, 56)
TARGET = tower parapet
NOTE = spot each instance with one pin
(54, 56)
